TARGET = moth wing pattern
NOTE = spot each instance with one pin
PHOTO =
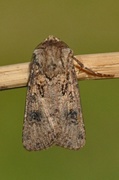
(72, 133)
(53, 113)
(38, 132)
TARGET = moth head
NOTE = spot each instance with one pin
(52, 38)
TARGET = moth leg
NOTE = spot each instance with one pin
(90, 71)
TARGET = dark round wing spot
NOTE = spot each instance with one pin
(35, 116)
(72, 116)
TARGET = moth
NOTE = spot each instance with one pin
(53, 114)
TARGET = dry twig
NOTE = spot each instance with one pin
(16, 75)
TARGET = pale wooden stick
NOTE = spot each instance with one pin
(16, 75)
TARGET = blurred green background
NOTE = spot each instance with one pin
(87, 27)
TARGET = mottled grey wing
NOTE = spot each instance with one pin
(72, 133)
(38, 128)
